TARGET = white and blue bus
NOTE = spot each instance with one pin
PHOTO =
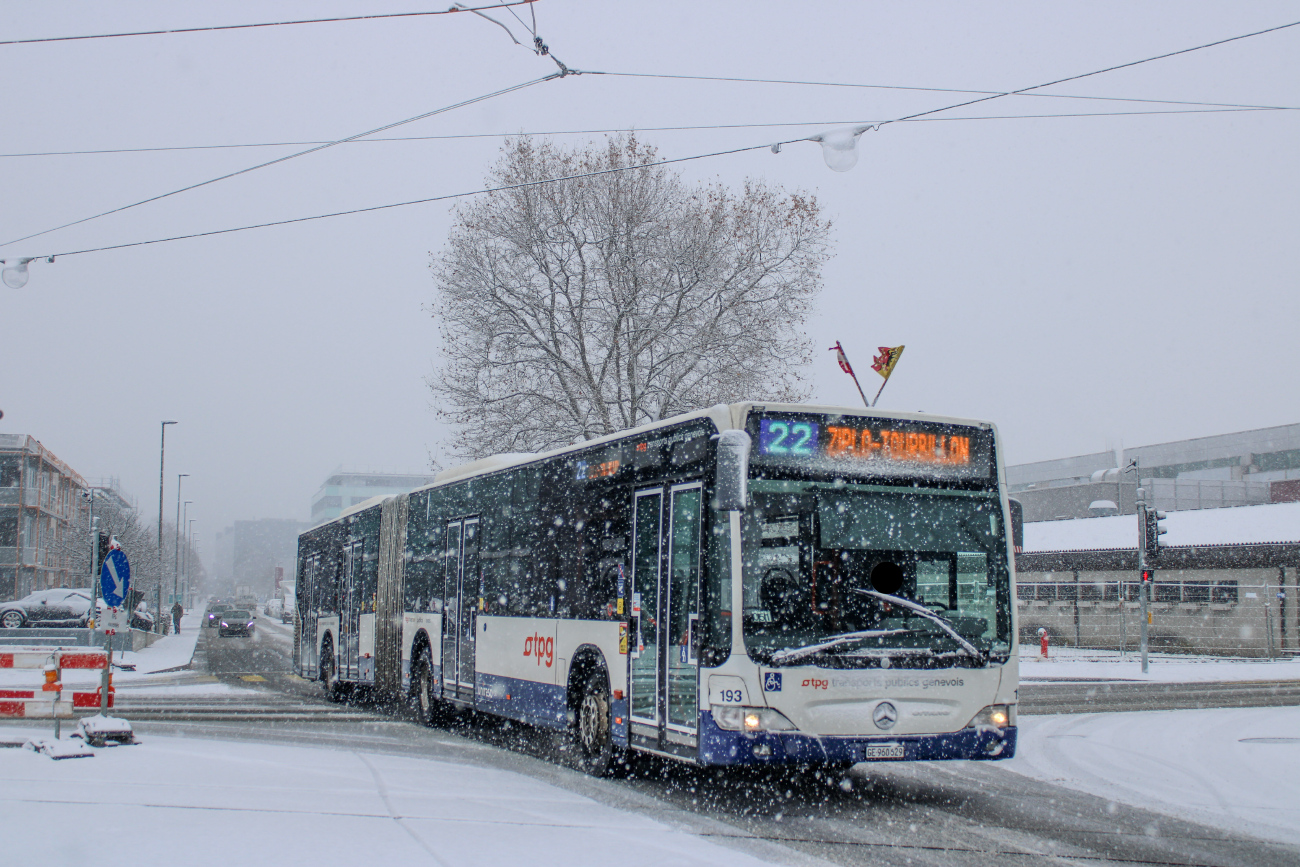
(744, 585)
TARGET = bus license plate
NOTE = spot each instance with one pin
(883, 751)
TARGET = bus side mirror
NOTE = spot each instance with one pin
(731, 486)
(1017, 524)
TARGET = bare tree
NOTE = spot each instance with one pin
(577, 308)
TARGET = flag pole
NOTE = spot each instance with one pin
(849, 369)
(877, 397)
(884, 365)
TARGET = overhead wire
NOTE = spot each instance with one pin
(423, 201)
(807, 83)
(618, 169)
(1114, 68)
(177, 30)
(681, 128)
(288, 157)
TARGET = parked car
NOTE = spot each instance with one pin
(273, 608)
(65, 608)
(142, 617)
(236, 621)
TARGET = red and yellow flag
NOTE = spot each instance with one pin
(884, 363)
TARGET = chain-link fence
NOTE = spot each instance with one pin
(1223, 617)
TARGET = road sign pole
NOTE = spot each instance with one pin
(108, 669)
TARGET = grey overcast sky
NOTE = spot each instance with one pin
(1080, 281)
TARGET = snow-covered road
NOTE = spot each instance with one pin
(1231, 768)
(201, 802)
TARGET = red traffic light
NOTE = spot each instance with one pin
(1147, 575)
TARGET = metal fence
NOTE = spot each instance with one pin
(1215, 617)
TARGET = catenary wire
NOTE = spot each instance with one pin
(424, 201)
(1114, 68)
(471, 193)
(932, 89)
(686, 128)
(728, 152)
(267, 24)
(287, 157)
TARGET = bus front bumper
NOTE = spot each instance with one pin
(721, 747)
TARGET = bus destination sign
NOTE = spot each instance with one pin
(878, 447)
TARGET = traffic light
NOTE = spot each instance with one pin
(1152, 530)
(1147, 575)
(102, 549)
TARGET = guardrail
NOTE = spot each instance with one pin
(25, 636)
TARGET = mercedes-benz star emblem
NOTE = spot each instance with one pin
(885, 715)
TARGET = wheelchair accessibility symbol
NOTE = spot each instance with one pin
(772, 681)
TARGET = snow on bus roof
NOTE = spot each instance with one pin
(1236, 525)
(725, 416)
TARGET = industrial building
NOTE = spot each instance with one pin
(253, 553)
(1237, 469)
(1225, 584)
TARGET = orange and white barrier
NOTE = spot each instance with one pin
(49, 700)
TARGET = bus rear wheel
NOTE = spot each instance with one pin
(422, 690)
(328, 675)
(598, 755)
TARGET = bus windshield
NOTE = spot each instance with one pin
(845, 576)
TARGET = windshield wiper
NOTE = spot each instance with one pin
(831, 643)
(943, 622)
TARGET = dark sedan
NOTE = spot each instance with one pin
(236, 621)
(47, 608)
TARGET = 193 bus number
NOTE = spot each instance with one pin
(736, 695)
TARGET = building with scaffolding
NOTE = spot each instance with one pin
(44, 534)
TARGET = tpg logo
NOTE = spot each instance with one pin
(815, 683)
(536, 645)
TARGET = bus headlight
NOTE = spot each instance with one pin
(996, 716)
(750, 719)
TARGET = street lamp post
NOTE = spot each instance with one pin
(189, 546)
(176, 565)
(162, 478)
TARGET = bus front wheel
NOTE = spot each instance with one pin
(597, 753)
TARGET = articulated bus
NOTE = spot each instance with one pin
(745, 585)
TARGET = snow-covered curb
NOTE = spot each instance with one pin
(1068, 663)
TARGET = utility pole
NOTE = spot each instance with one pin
(1144, 587)
(1149, 533)
(162, 478)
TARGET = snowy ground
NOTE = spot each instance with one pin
(218, 802)
(1233, 768)
(1068, 663)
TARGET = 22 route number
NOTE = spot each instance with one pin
(789, 438)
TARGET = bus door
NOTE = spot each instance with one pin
(458, 619)
(310, 610)
(665, 611)
(350, 619)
